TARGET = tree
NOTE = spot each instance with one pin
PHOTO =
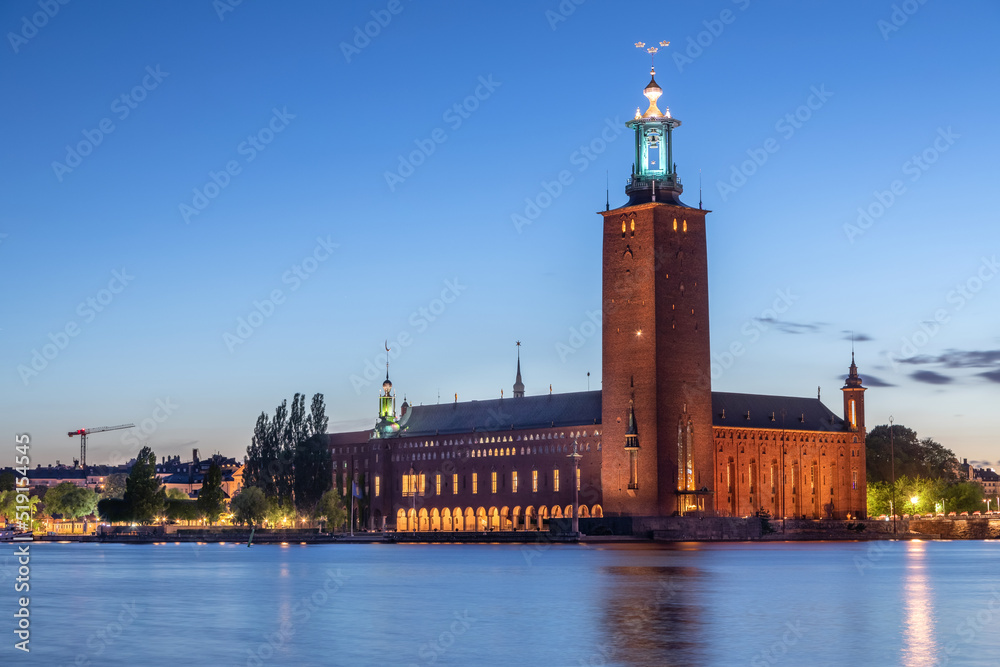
(114, 485)
(114, 510)
(143, 494)
(249, 506)
(255, 468)
(9, 503)
(964, 496)
(6, 481)
(70, 501)
(331, 509)
(211, 498)
(182, 509)
(913, 457)
(313, 469)
(176, 494)
(317, 415)
(280, 511)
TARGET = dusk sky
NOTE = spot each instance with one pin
(170, 168)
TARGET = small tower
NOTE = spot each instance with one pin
(386, 426)
(518, 385)
(854, 399)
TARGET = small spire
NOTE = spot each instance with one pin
(518, 384)
(607, 191)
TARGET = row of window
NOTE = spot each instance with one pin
(630, 227)
(416, 483)
(488, 440)
(483, 453)
(809, 477)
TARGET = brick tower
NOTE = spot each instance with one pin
(657, 395)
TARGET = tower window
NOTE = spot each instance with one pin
(685, 225)
(623, 229)
(675, 224)
(633, 226)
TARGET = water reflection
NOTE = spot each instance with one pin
(651, 616)
(919, 643)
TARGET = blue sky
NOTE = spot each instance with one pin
(171, 168)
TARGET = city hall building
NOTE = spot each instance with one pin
(655, 441)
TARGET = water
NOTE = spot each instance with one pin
(836, 603)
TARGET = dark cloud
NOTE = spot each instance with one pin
(792, 327)
(873, 381)
(856, 336)
(930, 377)
(958, 359)
(992, 376)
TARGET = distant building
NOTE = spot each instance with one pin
(189, 476)
(654, 441)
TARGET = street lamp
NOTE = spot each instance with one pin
(987, 501)
(892, 453)
(576, 456)
(914, 500)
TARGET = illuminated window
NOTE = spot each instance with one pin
(475, 483)
(555, 480)
(437, 485)
(633, 227)
(623, 229)
(454, 484)
(493, 482)
(513, 482)
(854, 480)
(534, 481)
(409, 485)
(675, 224)
(685, 225)
(577, 479)
(423, 484)
(378, 485)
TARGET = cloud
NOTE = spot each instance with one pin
(992, 376)
(930, 377)
(856, 336)
(792, 327)
(958, 359)
(873, 381)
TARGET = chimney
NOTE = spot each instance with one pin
(194, 455)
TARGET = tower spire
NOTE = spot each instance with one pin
(518, 384)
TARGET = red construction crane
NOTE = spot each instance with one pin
(84, 432)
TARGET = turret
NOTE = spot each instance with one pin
(854, 399)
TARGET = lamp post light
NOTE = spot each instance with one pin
(892, 454)
(987, 501)
(914, 500)
(576, 456)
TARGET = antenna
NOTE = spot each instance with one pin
(699, 189)
(588, 380)
(607, 191)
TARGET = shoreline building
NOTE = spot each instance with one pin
(655, 441)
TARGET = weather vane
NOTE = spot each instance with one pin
(651, 51)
